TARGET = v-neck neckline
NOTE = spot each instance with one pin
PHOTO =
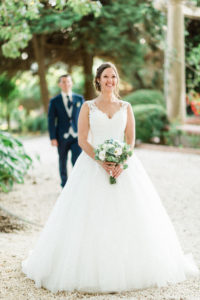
(106, 113)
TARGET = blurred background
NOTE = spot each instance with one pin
(154, 44)
(156, 48)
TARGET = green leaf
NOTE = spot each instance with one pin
(14, 161)
(125, 166)
(4, 187)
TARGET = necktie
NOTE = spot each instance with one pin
(69, 102)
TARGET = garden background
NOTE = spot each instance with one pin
(41, 40)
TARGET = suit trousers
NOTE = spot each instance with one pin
(64, 146)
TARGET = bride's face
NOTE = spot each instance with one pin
(108, 80)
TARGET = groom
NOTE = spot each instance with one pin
(62, 123)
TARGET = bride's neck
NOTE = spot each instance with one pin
(107, 97)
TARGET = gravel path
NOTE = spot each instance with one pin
(177, 179)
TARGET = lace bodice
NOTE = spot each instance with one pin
(102, 127)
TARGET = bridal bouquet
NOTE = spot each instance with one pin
(113, 151)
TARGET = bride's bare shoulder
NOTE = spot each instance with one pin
(85, 107)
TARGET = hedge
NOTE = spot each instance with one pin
(145, 97)
(151, 120)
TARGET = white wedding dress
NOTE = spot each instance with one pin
(107, 238)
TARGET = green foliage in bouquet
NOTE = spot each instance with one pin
(146, 97)
(113, 151)
(14, 162)
(151, 120)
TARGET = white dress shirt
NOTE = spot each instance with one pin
(65, 101)
(69, 112)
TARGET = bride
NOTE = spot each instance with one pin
(102, 237)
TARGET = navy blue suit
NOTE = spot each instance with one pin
(59, 124)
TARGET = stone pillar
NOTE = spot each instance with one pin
(175, 62)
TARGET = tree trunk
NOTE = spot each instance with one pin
(38, 45)
(87, 66)
(175, 63)
(8, 120)
(139, 79)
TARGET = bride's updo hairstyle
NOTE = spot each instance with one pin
(100, 70)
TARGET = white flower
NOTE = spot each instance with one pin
(109, 146)
(118, 151)
(102, 155)
(106, 146)
(122, 144)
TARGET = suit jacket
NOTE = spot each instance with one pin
(59, 121)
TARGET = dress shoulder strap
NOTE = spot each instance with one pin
(91, 105)
(124, 104)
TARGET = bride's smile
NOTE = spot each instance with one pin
(108, 81)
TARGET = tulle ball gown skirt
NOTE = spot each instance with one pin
(107, 238)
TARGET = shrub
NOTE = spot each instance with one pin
(14, 162)
(38, 123)
(151, 120)
(146, 97)
(174, 136)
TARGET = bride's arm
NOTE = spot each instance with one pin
(83, 130)
(130, 128)
(129, 137)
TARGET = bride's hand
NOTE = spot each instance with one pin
(117, 170)
(109, 167)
